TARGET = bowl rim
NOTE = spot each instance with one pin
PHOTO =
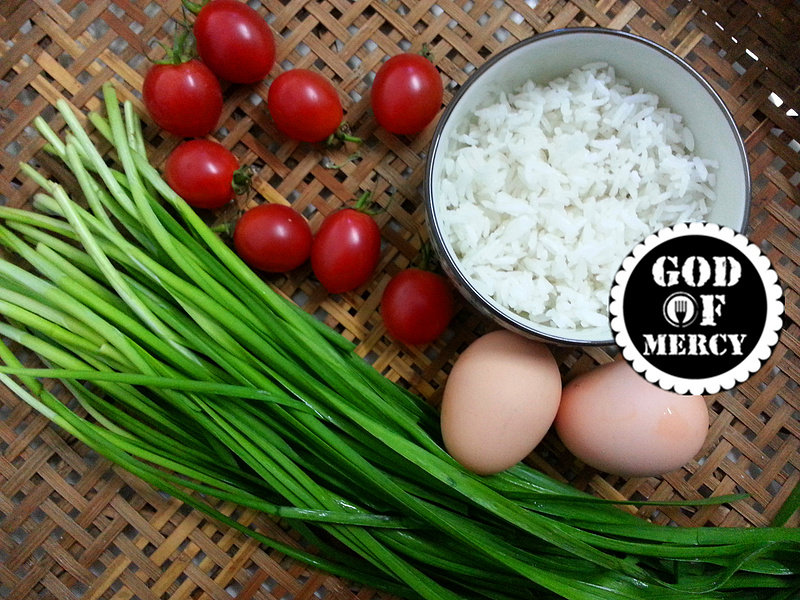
(450, 264)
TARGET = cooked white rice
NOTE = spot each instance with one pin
(548, 188)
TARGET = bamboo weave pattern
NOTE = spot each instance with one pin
(72, 526)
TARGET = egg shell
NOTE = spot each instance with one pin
(615, 421)
(499, 401)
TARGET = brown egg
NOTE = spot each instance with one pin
(499, 401)
(615, 421)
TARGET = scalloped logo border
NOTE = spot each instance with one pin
(749, 364)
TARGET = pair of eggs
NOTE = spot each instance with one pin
(504, 393)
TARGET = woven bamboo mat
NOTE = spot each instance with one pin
(72, 526)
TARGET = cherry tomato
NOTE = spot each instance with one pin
(416, 306)
(406, 94)
(273, 237)
(202, 173)
(234, 41)
(184, 99)
(304, 105)
(346, 250)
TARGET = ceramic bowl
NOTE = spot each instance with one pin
(645, 65)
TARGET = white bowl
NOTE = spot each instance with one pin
(644, 64)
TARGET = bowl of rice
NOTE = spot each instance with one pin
(560, 154)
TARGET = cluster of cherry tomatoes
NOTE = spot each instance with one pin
(183, 96)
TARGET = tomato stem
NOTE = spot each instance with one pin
(366, 205)
(329, 164)
(341, 135)
(426, 259)
(363, 202)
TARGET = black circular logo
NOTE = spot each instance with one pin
(696, 308)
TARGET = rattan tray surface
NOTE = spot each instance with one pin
(73, 526)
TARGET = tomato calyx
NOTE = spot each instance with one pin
(242, 180)
(182, 50)
(365, 204)
(225, 228)
(341, 135)
(194, 7)
(426, 52)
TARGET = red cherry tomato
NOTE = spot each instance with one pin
(304, 105)
(416, 306)
(202, 173)
(234, 41)
(273, 237)
(346, 250)
(184, 99)
(406, 94)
